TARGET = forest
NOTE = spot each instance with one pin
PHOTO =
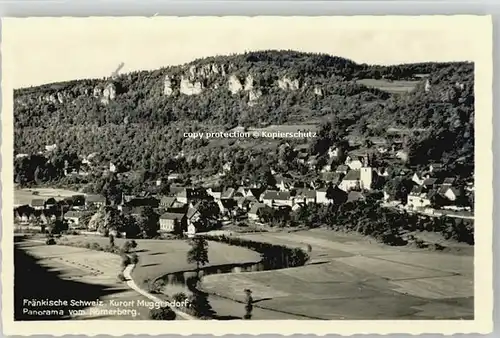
(137, 120)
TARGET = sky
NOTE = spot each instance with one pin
(45, 50)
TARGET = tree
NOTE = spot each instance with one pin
(163, 313)
(148, 222)
(198, 253)
(248, 304)
(111, 241)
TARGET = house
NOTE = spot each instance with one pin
(50, 203)
(355, 196)
(245, 203)
(305, 196)
(333, 152)
(76, 218)
(167, 202)
(77, 202)
(134, 211)
(215, 192)
(227, 205)
(191, 231)
(254, 193)
(430, 183)
(351, 181)
(227, 167)
(355, 164)
(452, 193)
(449, 181)
(193, 215)
(419, 197)
(95, 200)
(228, 193)
(321, 196)
(277, 198)
(171, 222)
(283, 183)
(333, 178)
(342, 169)
(330, 163)
(173, 177)
(435, 167)
(302, 157)
(255, 211)
(418, 178)
(189, 195)
(38, 204)
(312, 162)
(143, 202)
(383, 172)
(175, 189)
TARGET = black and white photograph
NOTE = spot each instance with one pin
(246, 170)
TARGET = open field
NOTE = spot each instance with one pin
(24, 196)
(160, 257)
(71, 274)
(350, 277)
(389, 86)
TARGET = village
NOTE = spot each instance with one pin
(433, 191)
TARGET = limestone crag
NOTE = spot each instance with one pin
(188, 87)
(286, 83)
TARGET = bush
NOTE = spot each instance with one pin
(95, 246)
(164, 313)
(157, 286)
(179, 297)
(133, 244)
(127, 246)
(50, 241)
(125, 261)
(121, 277)
(134, 259)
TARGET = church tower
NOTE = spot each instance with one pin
(366, 174)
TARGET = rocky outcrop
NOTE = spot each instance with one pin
(318, 91)
(286, 83)
(234, 84)
(188, 87)
(253, 97)
(249, 82)
(108, 94)
(167, 86)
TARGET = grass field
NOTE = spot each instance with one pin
(67, 273)
(352, 278)
(390, 86)
(24, 196)
(160, 257)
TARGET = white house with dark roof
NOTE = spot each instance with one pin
(38, 204)
(277, 198)
(215, 192)
(419, 197)
(305, 196)
(351, 181)
(95, 200)
(435, 167)
(172, 222)
(255, 211)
